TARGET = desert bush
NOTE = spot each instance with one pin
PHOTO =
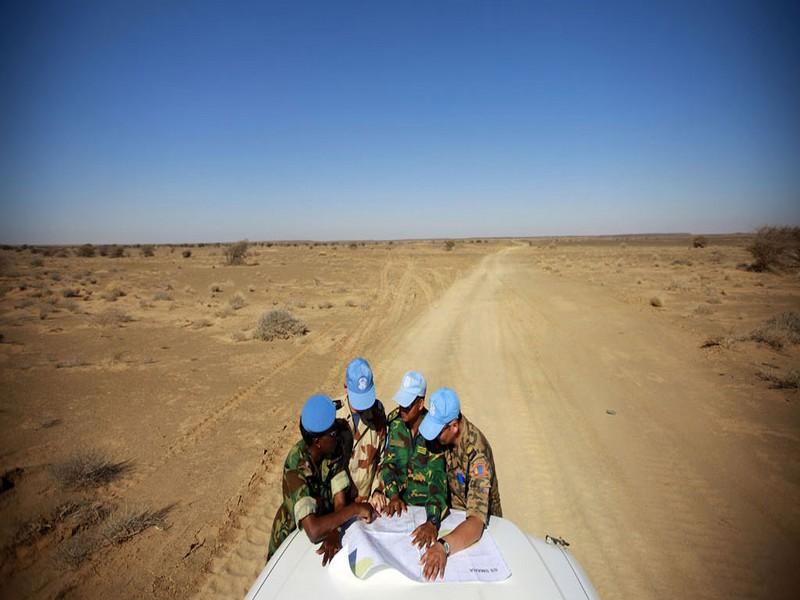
(449, 245)
(775, 248)
(236, 253)
(778, 331)
(162, 296)
(128, 522)
(325, 305)
(790, 381)
(656, 301)
(148, 250)
(85, 251)
(201, 324)
(352, 246)
(351, 303)
(699, 241)
(71, 306)
(215, 288)
(112, 292)
(278, 324)
(186, 253)
(45, 310)
(89, 469)
(112, 316)
(37, 262)
(55, 276)
(238, 336)
(70, 293)
(237, 301)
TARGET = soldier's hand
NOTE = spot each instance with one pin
(378, 500)
(365, 512)
(424, 535)
(396, 506)
(433, 562)
(329, 546)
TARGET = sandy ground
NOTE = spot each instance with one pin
(672, 469)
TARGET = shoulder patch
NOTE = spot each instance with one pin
(479, 469)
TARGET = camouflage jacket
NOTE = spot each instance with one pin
(361, 446)
(471, 475)
(307, 488)
(414, 470)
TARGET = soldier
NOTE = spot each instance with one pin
(412, 472)
(364, 436)
(471, 477)
(314, 486)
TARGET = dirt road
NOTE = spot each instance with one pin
(611, 429)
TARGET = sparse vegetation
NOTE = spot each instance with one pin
(699, 241)
(449, 245)
(112, 292)
(85, 251)
(656, 301)
(237, 301)
(789, 381)
(148, 250)
(89, 469)
(236, 253)
(775, 248)
(131, 521)
(162, 296)
(112, 316)
(779, 331)
(278, 324)
(186, 253)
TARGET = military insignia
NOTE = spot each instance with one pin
(479, 469)
(362, 383)
(460, 477)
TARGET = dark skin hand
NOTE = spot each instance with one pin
(424, 536)
(396, 506)
(330, 546)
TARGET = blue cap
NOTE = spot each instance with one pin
(412, 386)
(445, 407)
(360, 387)
(318, 414)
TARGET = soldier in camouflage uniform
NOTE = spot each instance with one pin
(315, 484)
(412, 471)
(471, 477)
(363, 430)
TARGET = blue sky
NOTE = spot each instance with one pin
(198, 121)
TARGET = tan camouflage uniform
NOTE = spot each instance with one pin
(307, 489)
(362, 447)
(471, 475)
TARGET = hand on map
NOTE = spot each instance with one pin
(433, 562)
(329, 546)
(395, 507)
(424, 536)
(378, 501)
(365, 512)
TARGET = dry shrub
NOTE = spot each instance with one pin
(237, 301)
(148, 250)
(236, 253)
(278, 324)
(162, 295)
(215, 288)
(325, 305)
(76, 550)
(45, 310)
(775, 248)
(239, 336)
(656, 301)
(112, 292)
(699, 242)
(351, 303)
(89, 469)
(70, 293)
(201, 323)
(131, 521)
(85, 251)
(779, 331)
(186, 253)
(112, 316)
(790, 381)
(37, 262)
(449, 245)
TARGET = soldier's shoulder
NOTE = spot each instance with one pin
(476, 442)
(394, 415)
(297, 458)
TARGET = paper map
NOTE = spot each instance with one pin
(386, 542)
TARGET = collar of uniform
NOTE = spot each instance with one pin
(463, 433)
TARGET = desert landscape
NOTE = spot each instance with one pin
(639, 392)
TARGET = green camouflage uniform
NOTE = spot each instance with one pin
(307, 489)
(410, 468)
(471, 475)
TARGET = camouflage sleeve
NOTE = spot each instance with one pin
(297, 495)
(395, 460)
(437, 487)
(481, 472)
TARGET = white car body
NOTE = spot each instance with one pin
(539, 569)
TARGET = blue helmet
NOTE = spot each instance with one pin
(318, 414)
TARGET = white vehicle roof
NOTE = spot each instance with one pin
(539, 569)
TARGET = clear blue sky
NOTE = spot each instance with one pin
(191, 121)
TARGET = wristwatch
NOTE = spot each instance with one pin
(445, 545)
